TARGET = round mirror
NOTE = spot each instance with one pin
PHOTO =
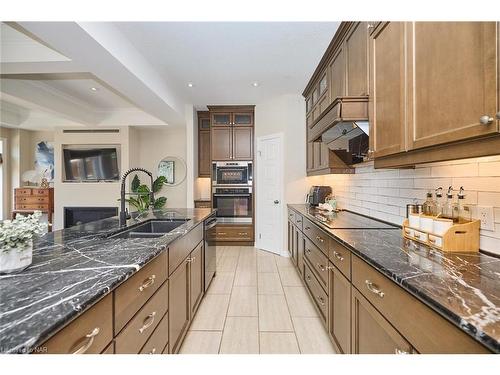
(173, 169)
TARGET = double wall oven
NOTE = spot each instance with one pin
(232, 191)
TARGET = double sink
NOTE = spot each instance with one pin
(150, 229)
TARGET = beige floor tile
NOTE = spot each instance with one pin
(211, 313)
(227, 263)
(247, 262)
(241, 336)
(232, 251)
(290, 277)
(248, 250)
(299, 302)
(269, 283)
(278, 343)
(243, 301)
(312, 336)
(222, 283)
(264, 253)
(273, 313)
(266, 264)
(245, 277)
(201, 342)
(284, 262)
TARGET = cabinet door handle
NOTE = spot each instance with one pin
(321, 267)
(486, 120)
(153, 351)
(321, 300)
(373, 288)
(189, 260)
(330, 267)
(320, 239)
(90, 336)
(307, 228)
(148, 322)
(308, 277)
(308, 251)
(338, 256)
(399, 351)
(147, 283)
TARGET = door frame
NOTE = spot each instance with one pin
(258, 204)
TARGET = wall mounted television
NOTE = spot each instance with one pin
(91, 163)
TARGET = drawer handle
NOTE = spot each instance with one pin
(148, 322)
(308, 277)
(299, 221)
(338, 256)
(307, 228)
(89, 343)
(320, 266)
(153, 351)
(222, 233)
(321, 300)
(320, 239)
(189, 260)
(243, 233)
(147, 283)
(399, 351)
(308, 251)
(330, 267)
(373, 288)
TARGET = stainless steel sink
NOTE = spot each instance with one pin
(150, 229)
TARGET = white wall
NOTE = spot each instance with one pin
(285, 114)
(154, 145)
(384, 193)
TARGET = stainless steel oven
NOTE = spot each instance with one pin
(232, 173)
(234, 204)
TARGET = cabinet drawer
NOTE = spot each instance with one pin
(40, 192)
(298, 221)
(426, 330)
(202, 204)
(234, 233)
(291, 215)
(316, 235)
(318, 294)
(158, 340)
(22, 192)
(90, 333)
(133, 294)
(318, 261)
(41, 206)
(32, 199)
(181, 248)
(138, 330)
(340, 256)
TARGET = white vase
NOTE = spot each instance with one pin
(15, 259)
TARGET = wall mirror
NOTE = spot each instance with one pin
(173, 169)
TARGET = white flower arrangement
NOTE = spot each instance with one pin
(19, 232)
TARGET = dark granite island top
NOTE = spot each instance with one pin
(464, 288)
(72, 269)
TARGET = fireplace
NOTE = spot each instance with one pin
(81, 215)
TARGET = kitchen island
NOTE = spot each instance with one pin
(75, 268)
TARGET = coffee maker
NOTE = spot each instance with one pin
(317, 195)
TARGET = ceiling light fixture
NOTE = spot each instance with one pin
(255, 84)
(94, 88)
(190, 84)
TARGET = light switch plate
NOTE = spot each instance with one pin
(485, 214)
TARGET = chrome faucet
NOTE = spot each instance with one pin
(124, 215)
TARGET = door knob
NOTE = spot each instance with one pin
(276, 201)
(486, 120)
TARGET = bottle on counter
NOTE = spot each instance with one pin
(464, 210)
(439, 201)
(429, 207)
(449, 208)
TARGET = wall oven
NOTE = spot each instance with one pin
(232, 173)
(233, 204)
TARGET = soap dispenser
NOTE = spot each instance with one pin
(439, 201)
(448, 211)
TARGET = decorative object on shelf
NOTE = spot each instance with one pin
(173, 169)
(16, 239)
(44, 182)
(44, 160)
(30, 177)
(142, 200)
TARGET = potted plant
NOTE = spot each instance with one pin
(16, 239)
(142, 202)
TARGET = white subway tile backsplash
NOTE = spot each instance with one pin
(384, 193)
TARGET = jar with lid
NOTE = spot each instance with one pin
(429, 207)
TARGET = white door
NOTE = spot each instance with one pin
(269, 193)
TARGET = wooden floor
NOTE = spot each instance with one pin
(257, 303)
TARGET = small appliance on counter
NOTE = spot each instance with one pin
(318, 194)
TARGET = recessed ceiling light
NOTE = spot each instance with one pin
(94, 88)
(255, 84)
(190, 84)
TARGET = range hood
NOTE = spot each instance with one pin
(344, 128)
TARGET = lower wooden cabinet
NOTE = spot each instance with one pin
(300, 252)
(371, 332)
(158, 339)
(196, 277)
(340, 309)
(233, 233)
(179, 303)
(318, 294)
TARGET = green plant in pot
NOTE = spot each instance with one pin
(142, 200)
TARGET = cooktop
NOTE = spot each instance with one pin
(347, 220)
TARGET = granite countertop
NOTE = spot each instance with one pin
(464, 288)
(74, 268)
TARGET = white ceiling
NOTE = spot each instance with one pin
(223, 59)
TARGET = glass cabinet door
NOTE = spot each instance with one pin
(243, 119)
(323, 84)
(204, 124)
(221, 119)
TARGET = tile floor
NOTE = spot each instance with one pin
(257, 303)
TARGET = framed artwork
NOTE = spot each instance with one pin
(166, 168)
(44, 160)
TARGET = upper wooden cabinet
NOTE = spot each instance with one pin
(453, 81)
(356, 55)
(204, 159)
(336, 70)
(388, 88)
(232, 132)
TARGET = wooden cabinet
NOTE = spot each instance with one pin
(158, 339)
(27, 200)
(453, 81)
(196, 275)
(233, 233)
(204, 157)
(356, 56)
(388, 88)
(232, 132)
(317, 293)
(202, 203)
(179, 305)
(336, 70)
(340, 309)
(371, 332)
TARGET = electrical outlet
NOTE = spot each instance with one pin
(485, 214)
